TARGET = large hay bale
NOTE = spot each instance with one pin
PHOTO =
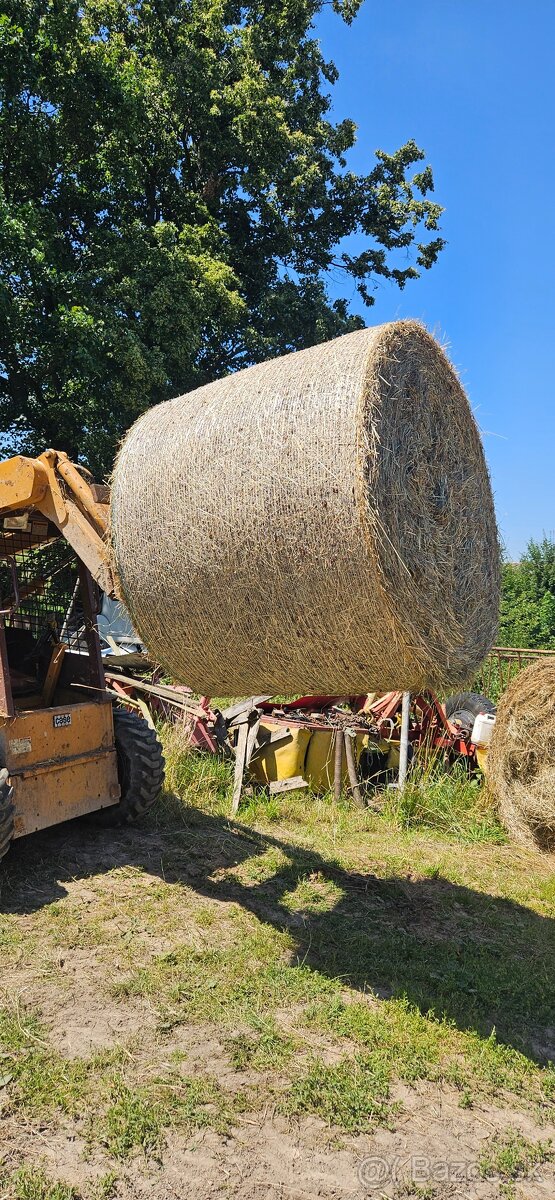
(322, 521)
(521, 758)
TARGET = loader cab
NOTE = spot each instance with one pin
(49, 643)
(56, 721)
(65, 751)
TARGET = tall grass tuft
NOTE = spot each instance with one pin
(193, 778)
(447, 801)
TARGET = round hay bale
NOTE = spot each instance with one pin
(521, 758)
(323, 521)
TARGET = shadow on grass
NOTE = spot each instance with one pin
(482, 962)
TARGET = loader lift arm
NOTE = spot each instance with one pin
(55, 487)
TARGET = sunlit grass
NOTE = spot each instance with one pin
(333, 956)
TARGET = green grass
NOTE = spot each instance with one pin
(510, 1155)
(415, 1191)
(353, 1094)
(137, 1117)
(439, 1023)
(105, 1188)
(449, 802)
(118, 1112)
(38, 1079)
(262, 1048)
(410, 1046)
(204, 778)
(31, 1183)
(237, 982)
(330, 953)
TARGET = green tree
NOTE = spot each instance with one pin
(528, 598)
(173, 194)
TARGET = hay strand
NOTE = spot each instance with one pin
(321, 522)
(521, 758)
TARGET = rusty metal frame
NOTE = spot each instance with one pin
(97, 676)
(506, 662)
(7, 708)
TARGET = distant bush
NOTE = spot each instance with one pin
(527, 616)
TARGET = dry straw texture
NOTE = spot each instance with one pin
(521, 759)
(323, 521)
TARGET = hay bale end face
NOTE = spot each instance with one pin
(320, 522)
(521, 758)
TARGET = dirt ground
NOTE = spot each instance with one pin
(80, 910)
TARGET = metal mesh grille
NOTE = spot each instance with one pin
(39, 584)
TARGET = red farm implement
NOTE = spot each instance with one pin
(336, 742)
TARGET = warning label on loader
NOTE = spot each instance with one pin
(20, 745)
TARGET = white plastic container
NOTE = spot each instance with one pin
(482, 729)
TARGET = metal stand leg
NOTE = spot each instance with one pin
(404, 743)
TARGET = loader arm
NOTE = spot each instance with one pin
(53, 486)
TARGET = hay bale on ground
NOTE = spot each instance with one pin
(323, 522)
(521, 758)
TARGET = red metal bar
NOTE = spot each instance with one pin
(312, 702)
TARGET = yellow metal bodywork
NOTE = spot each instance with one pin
(285, 759)
(393, 751)
(311, 754)
(60, 770)
(54, 487)
(319, 763)
(482, 758)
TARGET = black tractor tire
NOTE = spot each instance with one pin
(465, 707)
(140, 769)
(6, 812)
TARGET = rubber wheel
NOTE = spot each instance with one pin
(140, 769)
(465, 707)
(6, 812)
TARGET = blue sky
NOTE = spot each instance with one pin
(473, 83)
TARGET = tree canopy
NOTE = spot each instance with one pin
(173, 197)
(528, 599)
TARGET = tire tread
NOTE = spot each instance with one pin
(7, 812)
(468, 704)
(140, 769)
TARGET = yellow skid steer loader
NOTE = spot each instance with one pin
(64, 749)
